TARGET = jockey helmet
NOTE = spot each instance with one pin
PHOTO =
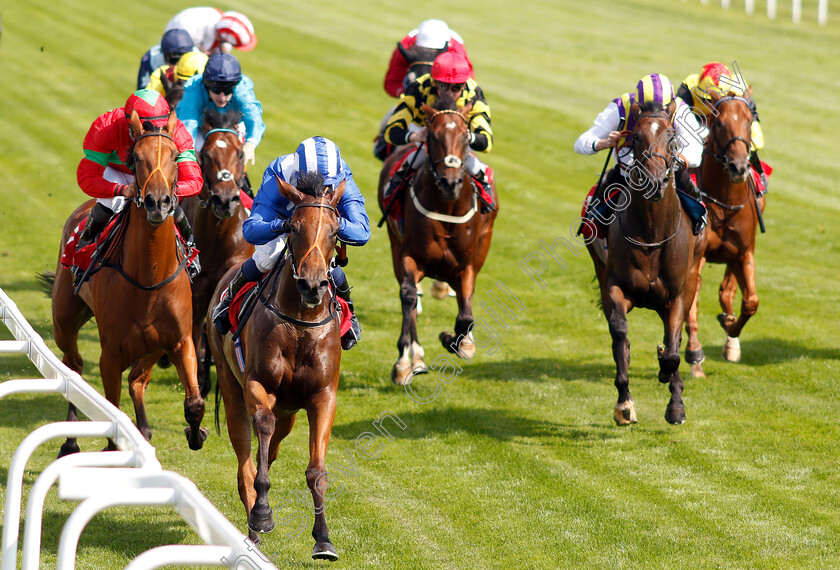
(432, 34)
(654, 88)
(190, 64)
(710, 79)
(236, 29)
(451, 67)
(222, 68)
(318, 154)
(176, 42)
(150, 106)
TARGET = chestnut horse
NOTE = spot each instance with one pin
(141, 299)
(728, 189)
(446, 236)
(651, 260)
(216, 216)
(291, 353)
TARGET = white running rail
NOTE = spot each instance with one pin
(132, 476)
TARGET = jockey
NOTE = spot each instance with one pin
(265, 227)
(174, 43)
(191, 63)
(214, 31)
(449, 81)
(106, 173)
(652, 92)
(223, 88)
(432, 35)
(695, 89)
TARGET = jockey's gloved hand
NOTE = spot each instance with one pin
(248, 149)
(281, 226)
(127, 190)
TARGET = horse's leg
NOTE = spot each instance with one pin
(669, 359)
(694, 350)
(461, 343)
(260, 406)
(728, 289)
(745, 275)
(111, 370)
(408, 276)
(183, 357)
(69, 314)
(202, 356)
(138, 381)
(321, 413)
(616, 306)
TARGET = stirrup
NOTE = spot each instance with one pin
(354, 335)
(220, 314)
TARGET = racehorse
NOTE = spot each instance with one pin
(728, 187)
(216, 216)
(141, 298)
(174, 90)
(651, 259)
(419, 60)
(446, 236)
(291, 353)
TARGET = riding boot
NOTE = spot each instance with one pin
(381, 148)
(220, 311)
(246, 186)
(96, 222)
(756, 164)
(342, 289)
(690, 197)
(194, 266)
(484, 180)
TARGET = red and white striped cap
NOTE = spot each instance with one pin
(236, 29)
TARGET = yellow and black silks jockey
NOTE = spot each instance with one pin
(449, 82)
(694, 92)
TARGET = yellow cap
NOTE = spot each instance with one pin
(191, 63)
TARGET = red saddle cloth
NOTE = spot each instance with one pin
(81, 258)
(241, 295)
(761, 189)
(246, 200)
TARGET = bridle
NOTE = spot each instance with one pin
(449, 160)
(720, 156)
(141, 195)
(296, 265)
(223, 175)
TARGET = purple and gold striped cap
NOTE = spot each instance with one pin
(654, 88)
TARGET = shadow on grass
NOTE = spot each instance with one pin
(492, 423)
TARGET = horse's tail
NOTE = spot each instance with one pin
(46, 281)
(216, 411)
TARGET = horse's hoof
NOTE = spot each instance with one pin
(260, 520)
(726, 321)
(164, 361)
(68, 449)
(697, 371)
(625, 413)
(732, 349)
(660, 350)
(202, 437)
(418, 366)
(441, 290)
(694, 356)
(324, 551)
(675, 414)
(401, 375)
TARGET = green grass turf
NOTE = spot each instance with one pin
(517, 463)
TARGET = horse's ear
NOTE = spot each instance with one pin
(749, 90)
(404, 52)
(635, 110)
(427, 111)
(289, 191)
(714, 94)
(172, 123)
(135, 125)
(336, 194)
(167, 84)
(671, 108)
(465, 110)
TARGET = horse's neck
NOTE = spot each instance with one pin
(653, 221)
(148, 251)
(212, 229)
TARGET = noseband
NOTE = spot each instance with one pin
(296, 266)
(449, 160)
(720, 156)
(141, 195)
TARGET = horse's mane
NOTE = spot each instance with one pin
(652, 107)
(216, 120)
(445, 105)
(311, 184)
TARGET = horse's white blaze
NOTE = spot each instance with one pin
(221, 144)
(451, 125)
(452, 161)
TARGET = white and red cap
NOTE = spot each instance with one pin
(236, 29)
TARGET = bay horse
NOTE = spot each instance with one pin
(216, 216)
(725, 179)
(651, 259)
(446, 236)
(141, 299)
(291, 354)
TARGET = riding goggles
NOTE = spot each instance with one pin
(223, 87)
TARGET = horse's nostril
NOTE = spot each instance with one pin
(149, 203)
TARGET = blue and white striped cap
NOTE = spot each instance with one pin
(317, 154)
